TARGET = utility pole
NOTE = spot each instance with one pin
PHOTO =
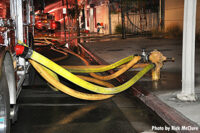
(64, 21)
(123, 21)
(77, 20)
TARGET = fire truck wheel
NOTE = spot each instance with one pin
(4, 103)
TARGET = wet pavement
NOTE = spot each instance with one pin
(44, 111)
(112, 51)
(170, 84)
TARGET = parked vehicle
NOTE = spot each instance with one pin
(16, 24)
(46, 21)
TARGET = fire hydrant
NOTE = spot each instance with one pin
(157, 58)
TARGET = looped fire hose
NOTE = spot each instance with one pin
(119, 72)
(131, 59)
(30, 54)
(101, 69)
(56, 85)
(49, 78)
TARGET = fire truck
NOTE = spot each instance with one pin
(46, 21)
(16, 24)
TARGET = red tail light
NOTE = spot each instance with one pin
(53, 25)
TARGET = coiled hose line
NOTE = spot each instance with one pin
(28, 53)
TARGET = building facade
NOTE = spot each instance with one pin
(97, 11)
(174, 10)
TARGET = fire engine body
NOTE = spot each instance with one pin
(45, 21)
(16, 24)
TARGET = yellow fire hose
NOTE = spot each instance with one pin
(105, 68)
(101, 69)
(75, 69)
(92, 69)
(53, 81)
(52, 78)
(99, 82)
(76, 80)
(82, 77)
(55, 77)
(97, 69)
(119, 72)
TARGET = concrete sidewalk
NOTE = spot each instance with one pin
(170, 83)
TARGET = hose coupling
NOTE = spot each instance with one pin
(144, 56)
(23, 51)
